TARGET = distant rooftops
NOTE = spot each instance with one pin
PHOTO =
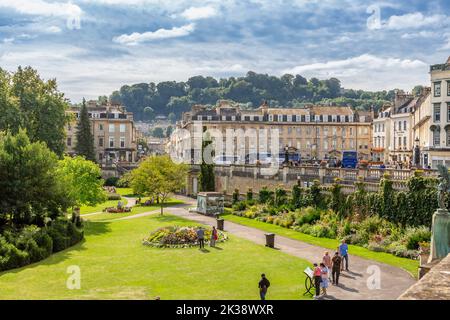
(441, 67)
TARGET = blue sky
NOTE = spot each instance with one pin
(93, 47)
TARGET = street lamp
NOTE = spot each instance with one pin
(286, 157)
(417, 152)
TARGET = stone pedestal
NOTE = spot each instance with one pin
(440, 238)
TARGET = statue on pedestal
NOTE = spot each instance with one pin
(440, 238)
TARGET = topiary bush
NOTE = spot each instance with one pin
(111, 182)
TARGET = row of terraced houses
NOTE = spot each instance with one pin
(411, 131)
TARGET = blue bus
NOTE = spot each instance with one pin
(294, 157)
(349, 159)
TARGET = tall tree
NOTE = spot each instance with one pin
(206, 178)
(36, 105)
(30, 190)
(85, 139)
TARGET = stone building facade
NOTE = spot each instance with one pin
(315, 132)
(115, 136)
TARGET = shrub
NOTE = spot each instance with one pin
(64, 234)
(265, 195)
(308, 215)
(249, 194)
(36, 242)
(235, 196)
(114, 196)
(239, 206)
(10, 256)
(413, 236)
(111, 181)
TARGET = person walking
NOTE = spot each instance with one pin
(201, 237)
(317, 279)
(325, 274)
(336, 268)
(326, 260)
(343, 251)
(263, 285)
(214, 237)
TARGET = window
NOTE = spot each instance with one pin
(437, 89)
(399, 142)
(69, 141)
(404, 125)
(436, 138)
(404, 142)
(448, 87)
(437, 112)
(100, 141)
(122, 127)
(448, 111)
(111, 142)
(100, 127)
(111, 127)
(448, 137)
(289, 130)
(351, 131)
(325, 145)
(100, 156)
(122, 142)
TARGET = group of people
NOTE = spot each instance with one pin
(323, 275)
(201, 237)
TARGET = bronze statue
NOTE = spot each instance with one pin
(443, 187)
(440, 238)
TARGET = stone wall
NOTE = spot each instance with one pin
(243, 177)
(435, 285)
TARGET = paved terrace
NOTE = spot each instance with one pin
(435, 285)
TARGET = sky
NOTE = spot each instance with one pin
(93, 47)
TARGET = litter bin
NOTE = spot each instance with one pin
(270, 240)
(220, 223)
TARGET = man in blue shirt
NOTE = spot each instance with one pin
(343, 251)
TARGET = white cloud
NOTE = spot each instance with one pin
(43, 8)
(415, 20)
(8, 40)
(197, 13)
(136, 37)
(53, 29)
(421, 34)
(368, 72)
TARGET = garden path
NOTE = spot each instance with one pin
(355, 284)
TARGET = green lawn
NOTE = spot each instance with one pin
(331, 244)
(115, 265)
(100, 207)
(135, 210)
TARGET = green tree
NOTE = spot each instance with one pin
(172, 117)
(158, 132)
(207, 177)
(29, 102)
(85, 140)
(29, 188)
(84, 181)
(158, 176)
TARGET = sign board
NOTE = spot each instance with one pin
(308, 271)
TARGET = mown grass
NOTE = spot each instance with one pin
(115, 265)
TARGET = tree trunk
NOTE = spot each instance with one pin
(161, 208)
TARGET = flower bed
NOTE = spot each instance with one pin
(179, 237)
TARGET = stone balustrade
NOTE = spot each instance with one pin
(243, 177)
